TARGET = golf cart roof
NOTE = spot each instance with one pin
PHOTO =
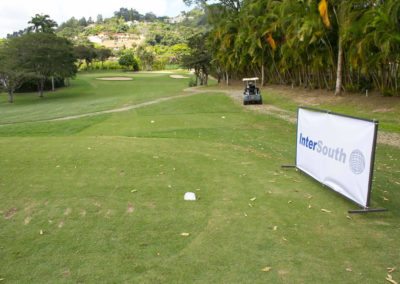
(250, 79)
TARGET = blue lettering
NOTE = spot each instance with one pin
(319, 149)
(337, 154)
(342, 156)
(302, 140)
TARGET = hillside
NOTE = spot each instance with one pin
(129, 29)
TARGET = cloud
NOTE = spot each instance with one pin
(15, 14)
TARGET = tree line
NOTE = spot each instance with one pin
(326, 44)
(37, 55)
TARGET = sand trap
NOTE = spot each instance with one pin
(115, 79)
(179, 77)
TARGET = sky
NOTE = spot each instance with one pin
(15, 14)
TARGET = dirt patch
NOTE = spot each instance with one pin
(109, 213)
(383, 110)
(10, 213)
(150, 205)
(130, 208)
(283, 272)
(27, 220)
(392, 139)
(306, 97)
(179, 77)
(66, 273)
(275, 111)
(115, 79)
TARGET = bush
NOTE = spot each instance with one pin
(31, 85)
(388, 92)
(107, 65)
(159, 64)
(129, 61)
(363, 84)
(192, 82)
(352, 88)
(172, 66)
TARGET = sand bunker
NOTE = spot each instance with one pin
(179, 77)
(115, 79)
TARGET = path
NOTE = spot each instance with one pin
(121, 109)
(125, 108)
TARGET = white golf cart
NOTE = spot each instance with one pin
(251, 94)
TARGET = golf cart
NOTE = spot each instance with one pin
(251, 94)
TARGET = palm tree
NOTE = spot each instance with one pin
(381, 45)
(331, 44)
(42, 23)
(223, 38)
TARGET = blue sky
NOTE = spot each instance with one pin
(15, 14)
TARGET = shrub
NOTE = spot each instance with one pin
(129, 61)
(31, 85)
(107, 65)
(192, 82)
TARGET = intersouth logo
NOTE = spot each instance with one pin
(357, 162)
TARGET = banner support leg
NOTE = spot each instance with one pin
(367, 210)
(288, 167)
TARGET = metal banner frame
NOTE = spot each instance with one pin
(364, 209)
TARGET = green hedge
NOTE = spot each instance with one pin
(107, 65)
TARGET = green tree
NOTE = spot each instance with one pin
(85, 53)
(99, 19)
(330, 44)
(128, 14)
(150, 17)
(230, 4)
(178, 51)
(42, 23)
(223, 39)
(375, 46)
(129, 61)
(44, 55)
(103, 54)
(199, 58)
(147, 57)
(11, 74)
(82, 22)
(70, 29)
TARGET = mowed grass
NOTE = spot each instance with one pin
(89, 94)
(100, 199)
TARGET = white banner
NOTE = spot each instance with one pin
(337, 151)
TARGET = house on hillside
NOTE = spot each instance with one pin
(178, 19)
(95, 39)
(116, 41)
(132, 23)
